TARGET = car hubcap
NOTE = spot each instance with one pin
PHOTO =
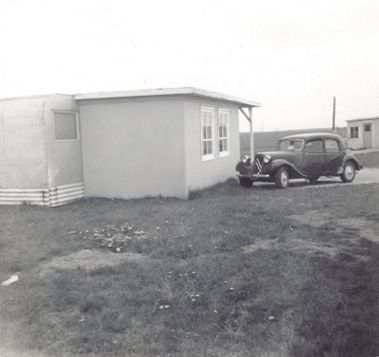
(349, 172)
(284, 179)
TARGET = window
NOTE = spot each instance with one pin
(207, 135)
(367, 127)
(290, 145)
(66, 126)
(354, 132)
(223, 132)
(315, 146)
(331, 145)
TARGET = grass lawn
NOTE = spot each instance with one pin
(231, 272)
(370, 159)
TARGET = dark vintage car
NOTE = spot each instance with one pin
(307, 156)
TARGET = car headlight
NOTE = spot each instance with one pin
(266, 159)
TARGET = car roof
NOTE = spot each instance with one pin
(311, 136)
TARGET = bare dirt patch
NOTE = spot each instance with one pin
(89, 259)
(292, 244)
(367, 229)
(358, 227)
(349, 231)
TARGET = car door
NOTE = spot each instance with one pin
(313, 158)
(333, 156)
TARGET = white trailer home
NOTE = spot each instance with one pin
(130, 144)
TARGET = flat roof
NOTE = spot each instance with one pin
(363, 119)
(167, 92)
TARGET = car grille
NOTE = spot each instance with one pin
(258, 164)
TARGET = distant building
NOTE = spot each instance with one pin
(363, 133)
(161, 142)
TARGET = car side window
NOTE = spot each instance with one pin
(314, 146)
(331, 145)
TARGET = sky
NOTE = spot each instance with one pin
(292, 56)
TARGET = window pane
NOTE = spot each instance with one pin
(331, 146)
(367, 127)
(209, 132)
(314, 146)
(203, 148)
(209, 147)
(65, 126)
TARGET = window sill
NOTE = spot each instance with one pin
(223, 154)
(207, 157)
(66, 140)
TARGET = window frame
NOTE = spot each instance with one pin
(211, 110)
(226, 152)
(354, 129)
(76, 113)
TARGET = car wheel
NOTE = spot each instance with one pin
(348, 173)
(281, 178)
(245, 181)
(313, 180)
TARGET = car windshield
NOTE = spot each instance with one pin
(291, 145)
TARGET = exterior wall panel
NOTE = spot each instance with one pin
(22, 143)
(133, 147)
(201, 174)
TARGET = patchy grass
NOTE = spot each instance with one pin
(230, 272)
(370, 159)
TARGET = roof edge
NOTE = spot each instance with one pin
(166, 92)
(362, 119)
(34, 96)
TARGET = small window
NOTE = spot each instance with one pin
(367, 127)
(223, 132)
(354, 132)
(207, 135)
(331, 145)
(66, 126)
(315, 146)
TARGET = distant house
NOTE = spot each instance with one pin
(363, 133)
(164, 142)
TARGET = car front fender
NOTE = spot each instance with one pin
(294, 171)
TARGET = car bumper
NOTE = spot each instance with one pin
(256, 177)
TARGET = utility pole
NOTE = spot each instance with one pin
(334, 114)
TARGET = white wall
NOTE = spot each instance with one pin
(133, 147)
(201, 174)
(22, 143)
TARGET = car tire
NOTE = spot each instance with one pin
(313, 180)
(348, 173)
(245, 182)
(281, 178)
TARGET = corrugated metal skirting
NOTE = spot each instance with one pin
(52, 197)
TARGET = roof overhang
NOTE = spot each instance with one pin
(167, 92)
(362, 119)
